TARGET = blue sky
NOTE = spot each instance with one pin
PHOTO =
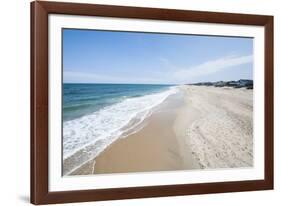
(91, 56)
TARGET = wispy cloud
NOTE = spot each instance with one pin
(210, 67)
(171, 74)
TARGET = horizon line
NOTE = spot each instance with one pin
(118, 83)
(153, 83)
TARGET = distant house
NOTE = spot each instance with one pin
(232, 83)
(245, 82)
(208, 84)
(220, 84)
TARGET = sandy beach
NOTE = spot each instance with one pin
(199, 128)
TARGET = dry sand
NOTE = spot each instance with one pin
(222, 135)
(200, 128)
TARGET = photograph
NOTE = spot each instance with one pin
(154, 102)
(132, 102)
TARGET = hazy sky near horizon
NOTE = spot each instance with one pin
(91, 56)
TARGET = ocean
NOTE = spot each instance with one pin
(95, 115)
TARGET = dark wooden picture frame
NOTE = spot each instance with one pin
(39, 102)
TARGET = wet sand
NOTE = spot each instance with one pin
(154, 148)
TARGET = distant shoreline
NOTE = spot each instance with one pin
(241, 83)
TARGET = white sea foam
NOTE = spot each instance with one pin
(86, 137)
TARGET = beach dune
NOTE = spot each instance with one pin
(198, 128)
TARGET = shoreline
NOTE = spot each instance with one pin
(156, 140)
(88, 136)
(187, 131)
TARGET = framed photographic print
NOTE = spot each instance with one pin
(131, 102)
